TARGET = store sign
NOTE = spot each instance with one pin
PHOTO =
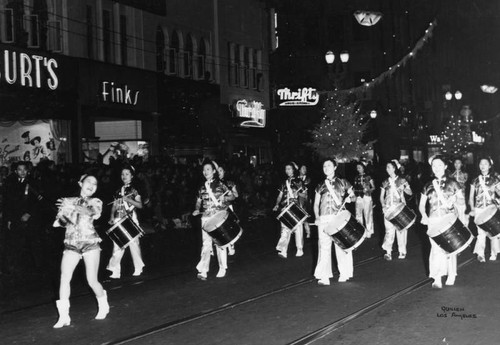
(305, 96)
(118, 94)
(29, 70)
(253, 111)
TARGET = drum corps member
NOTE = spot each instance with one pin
(391, 195)
(441, 193)
(461, 177)
(305, 201)
(363, 188)
(81, 241)
(231, 186)
(127, 199)
(213, 197)
(328, 201)
(484, 190)
(289, 193)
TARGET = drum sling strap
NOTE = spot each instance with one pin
(333, 194)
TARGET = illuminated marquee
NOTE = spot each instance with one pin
(305, 96)
(253, 111)
(29, 70)
(118, 94)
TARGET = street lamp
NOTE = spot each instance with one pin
(336, 74)
(373, 114)
(458, 95)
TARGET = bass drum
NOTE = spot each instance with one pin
(488, 219)
(401, 216)
(292, 216)
(346, 231)
(223, 227)
(124, 231)
(449, 233)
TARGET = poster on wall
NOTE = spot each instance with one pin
(27, 140)
(118, 150)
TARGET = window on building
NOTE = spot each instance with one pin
(188, 57)
(13, 28)
(107, 35)
(54, 31)
(233, 73)
(160, 50)
(7, 23)
(90, 32)
(253, 69)
(244, 66)
(201, 69)
(123, 40)
(172, 54)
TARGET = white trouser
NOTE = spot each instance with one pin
(206, 250)
(481, 243)
(364, 209)
(441, 263)
(135, 251)
(286, 234)
(390, 233)
(464, 218)
(324, 266)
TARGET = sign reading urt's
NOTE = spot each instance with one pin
(304, 96)
(253, 111)
(29, 70)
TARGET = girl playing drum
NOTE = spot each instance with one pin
(483, 192)
(292, 188)
(80, 241)
(461, 177)
(363, 188)
(213, 197)
(127, 199)
(441, 193)
(305, 201)
(328, 201)
(391, 195)
(232, 186)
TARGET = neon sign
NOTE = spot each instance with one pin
(253, 111)
(305, 96)
(116, 94)
(29, 70)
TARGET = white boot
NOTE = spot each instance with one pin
(103, 307)
(63, 309)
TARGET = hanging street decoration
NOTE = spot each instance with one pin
(390, 71)
(367, 18)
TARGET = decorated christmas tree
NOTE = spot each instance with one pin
(340, 131)
(456, 137)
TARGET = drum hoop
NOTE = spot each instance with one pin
(409, 225)
(493, 207)
(344, 224)
(119, 222)
(284, 210)
(218, 225)
(236, 238)
(401, 206)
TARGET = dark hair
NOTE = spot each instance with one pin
(129, 168)
(335, 164)
(396, 169)
(212, 164)
(486, 158)
(19, 163)
(293, 165)
(440, 157)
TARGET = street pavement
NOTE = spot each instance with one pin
(265, 299)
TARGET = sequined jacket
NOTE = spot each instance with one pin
(484, 197)
(208, 207)
(330, 204)
(450, 188)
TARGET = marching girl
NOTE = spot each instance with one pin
(289, 192)
(483, 192)
(231, 186)
(328, 201)
(441, 193)
(392, 194)
(80, 241)
(305, 201)
(127, 199)
(213, 196)
(461, 177)
(363, 188)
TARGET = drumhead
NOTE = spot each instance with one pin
(438, 225)
(393, 211)
(215, 221)
(338, 222)
(284, 210)
(485, 214)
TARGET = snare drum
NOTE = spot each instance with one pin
(346, 231)
(449, 233)
(401, 216)
(488, 220)
(223, 227)
(292, 216)
(125, 231)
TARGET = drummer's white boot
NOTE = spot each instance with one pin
(450, 280)
(221, 273)
(63, 309)
(437, 283)
(103, 306)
